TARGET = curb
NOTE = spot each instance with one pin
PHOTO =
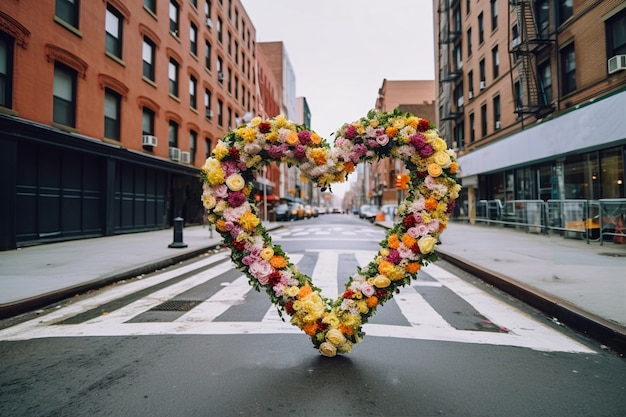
(29, 304)
(589, 324)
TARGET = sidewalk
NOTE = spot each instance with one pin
(581, 285)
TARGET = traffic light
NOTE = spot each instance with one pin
(402, 182)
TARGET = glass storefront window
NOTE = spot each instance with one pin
(612, 173)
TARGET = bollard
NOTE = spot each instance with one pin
(178, 234)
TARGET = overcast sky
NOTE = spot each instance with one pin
(341, 50)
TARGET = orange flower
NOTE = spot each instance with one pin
(434, 170)
(385, 267)
(310, 329)
(393, 241)
(304, 291)
(413, 267)
(372, 301)
(454, 167)
(345, 329)
(391, 131)
(430, 204)
(408, 240)
(278, 261)
(220, 225)
(349, 166)
(442, 227)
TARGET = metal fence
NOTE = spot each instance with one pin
(592, 220)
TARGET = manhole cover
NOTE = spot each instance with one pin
(616, 255)
(176, 305)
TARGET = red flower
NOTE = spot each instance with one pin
(234, 152)
(265, 127)
(409, 221)
(239, 245)
(289, 308)
(274, 278)
(348, 294)
(381, 293)
(423, 125)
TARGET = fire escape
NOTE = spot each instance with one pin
(529, 43)
(450, 69)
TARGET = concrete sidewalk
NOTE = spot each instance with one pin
(579, 284)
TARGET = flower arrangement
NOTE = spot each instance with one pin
(334, 326)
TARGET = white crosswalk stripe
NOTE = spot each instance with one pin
(424, 321)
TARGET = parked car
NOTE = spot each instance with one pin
(297, 211)
(283, 212)
(308, 211)
(390, 211)
(368, 212)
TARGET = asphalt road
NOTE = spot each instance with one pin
(447, 346)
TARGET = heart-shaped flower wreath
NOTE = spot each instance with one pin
(333, 325)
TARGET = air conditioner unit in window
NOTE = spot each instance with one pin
(482, 85)
(149, 140)
(220, 76)
(209, 23)
(470, 94)
(498, 124)
(617, 63)
(175, 154)
(185, 157)
(209, 113)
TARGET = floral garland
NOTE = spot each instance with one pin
(334, 326)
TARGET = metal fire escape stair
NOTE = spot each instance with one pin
(524, 52)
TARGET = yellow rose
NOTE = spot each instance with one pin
(426, 244)
(328, 349)
(292, 291)
(220, 151)
(316, 139)
(381, 281)
(442, 158)
(434, 170)
(335, 337)
(374, 123)
(292, 138)
(439, 144)
(249, 221)
(208, 201)
(267, 253)
(235, 182)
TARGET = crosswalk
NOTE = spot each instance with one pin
(211, 297)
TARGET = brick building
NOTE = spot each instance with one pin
(109, 108)
(532, 94)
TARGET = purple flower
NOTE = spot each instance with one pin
(394, 256)
(277, 151)
(299, 151)
(418, 141)
(426, 151)
(235, 199)
(304, 136)
(351, 132)
(229, 167)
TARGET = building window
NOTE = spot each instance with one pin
(207, 55)
(458, 57)
(193, 138)
(470, 84)
(519, 96)
(64, 92)
(496, 62)
(469, 42)
(114, 24)
(67, 10)
(483, 120)
(481, 29)
(468, 7)
(496, 113)
(147, 54)
(194, 3)
(568, 69)
(193, 101)
(150, 5)
(193, 39)
(230, 80)
(207, 103)
(147, 121)
(458, 135)
(220, 70)
(6, 71)
(220, 112)
(542, 11)
(472, 128)
(112, 104)
(219, 29)
(545, 83)
(566, 10)
(229, 46)
(494, 14)
(230, 118)
(236, 52)
(207, 9)
(173, 76)
(172, 134)
(616, 34)
(481, 68)
(243, 95)
(174, 13)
